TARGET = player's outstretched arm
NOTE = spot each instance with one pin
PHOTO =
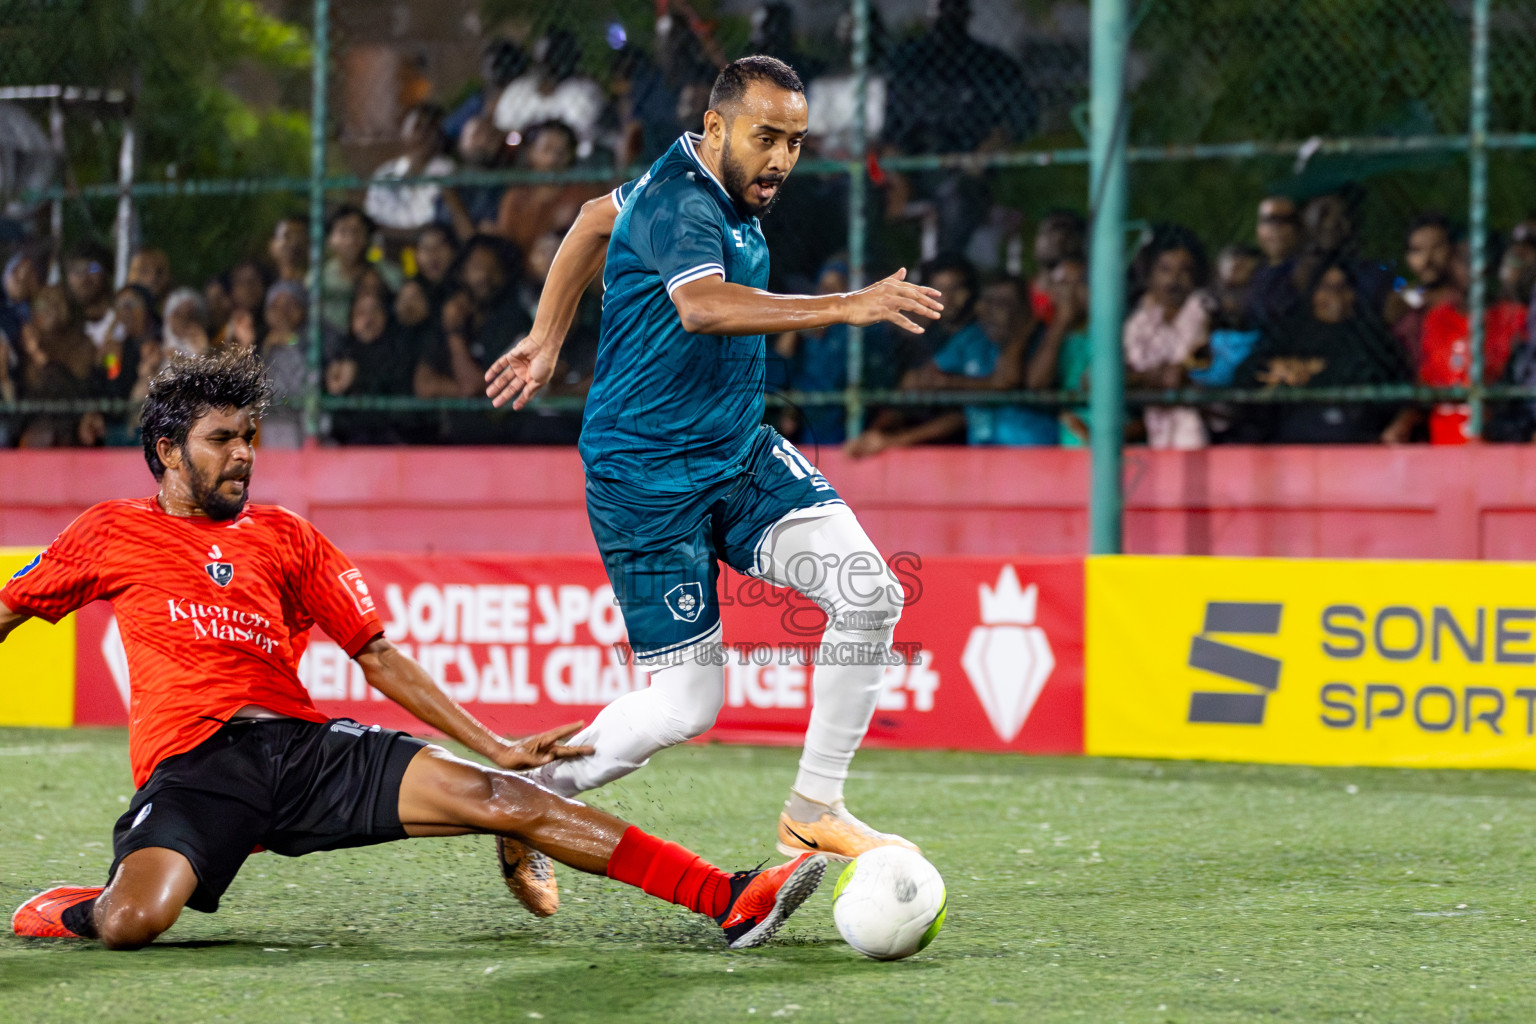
(9, 620)
(527, 366)
(404, 681)
(710, 305)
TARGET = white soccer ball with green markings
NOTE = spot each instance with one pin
(889, 903)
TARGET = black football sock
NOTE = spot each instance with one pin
(81, 919)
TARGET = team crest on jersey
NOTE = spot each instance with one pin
(220, 572)
(686, 601)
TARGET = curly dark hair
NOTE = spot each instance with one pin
(186, 389)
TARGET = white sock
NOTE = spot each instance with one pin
(681, 703)
(862, 608)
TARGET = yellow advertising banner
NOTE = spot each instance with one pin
(37, 663)
(1417, 664)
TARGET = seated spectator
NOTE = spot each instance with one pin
(377, 359)
(529, 211)
(1516, 420)
(185, 331)
(1329, 235)
(1232, 337)
(816, 362)
(1431, 251)
(1279, 229)
(23, 276)
(283, 352)
(1062, 235)
(348, 234)
(501, 61)
(436, 251)
(289, 248)
(248, 284)
(1168, 330)
(552, 90)
(220, 306)
(405, 208)
(1061, 361)
(472, 209)
(1445, 352)
(991, 355)
(1331, 344)
(135, 328)
(88, 283)
(954, 277)
(151, 270)
(477, 323)
(57, 361)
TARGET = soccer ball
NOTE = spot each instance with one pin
(889, 903)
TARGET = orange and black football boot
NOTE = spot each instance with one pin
(42, 916)
(761, 901)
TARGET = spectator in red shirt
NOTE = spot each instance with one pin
(1445, 356)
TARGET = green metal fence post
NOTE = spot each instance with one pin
(1106, 271)
(857, 227)
(317, 137)
(1477, 220)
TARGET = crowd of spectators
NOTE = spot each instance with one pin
(422, 285)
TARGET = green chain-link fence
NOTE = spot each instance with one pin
(972, 138)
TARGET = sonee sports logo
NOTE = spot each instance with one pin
(1242, 618)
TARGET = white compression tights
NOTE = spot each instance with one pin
(830, 560)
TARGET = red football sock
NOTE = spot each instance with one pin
(670, 872)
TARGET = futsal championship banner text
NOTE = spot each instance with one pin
(1422, 664)
(989, 653)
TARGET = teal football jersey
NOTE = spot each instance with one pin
(671, 411)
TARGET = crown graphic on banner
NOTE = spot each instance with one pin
(1008, 603)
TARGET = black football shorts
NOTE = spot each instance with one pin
(285, 785)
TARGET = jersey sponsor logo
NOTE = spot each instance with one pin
(37, 558)
(221, 623)
(220, 572)
(741, 243)
(138, 819)
(353, 580)
(1008, 658)
(686, 601)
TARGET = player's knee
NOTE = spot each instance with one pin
(134, 925)
(875, 608)
(697, 717)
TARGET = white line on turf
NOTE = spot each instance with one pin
(61, 748)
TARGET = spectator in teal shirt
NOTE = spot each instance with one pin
(990, 354)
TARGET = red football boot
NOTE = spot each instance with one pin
(42, 916)
(761, 901)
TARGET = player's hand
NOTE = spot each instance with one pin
(532, 751)
(891, 300)
(520, 372)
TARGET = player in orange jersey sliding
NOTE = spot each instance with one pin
(215, 599)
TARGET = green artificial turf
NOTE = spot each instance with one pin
(1079, 890)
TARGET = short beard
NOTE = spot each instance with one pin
(734, 177)
(206, 494)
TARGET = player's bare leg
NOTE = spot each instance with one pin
(863, 601)
(445, 795)
(143, 900)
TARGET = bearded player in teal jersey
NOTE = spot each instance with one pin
(681, 472)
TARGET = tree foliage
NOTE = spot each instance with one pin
(175, 57)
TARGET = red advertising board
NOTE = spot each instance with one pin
(990, 651)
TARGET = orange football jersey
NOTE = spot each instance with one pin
(213, 615)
